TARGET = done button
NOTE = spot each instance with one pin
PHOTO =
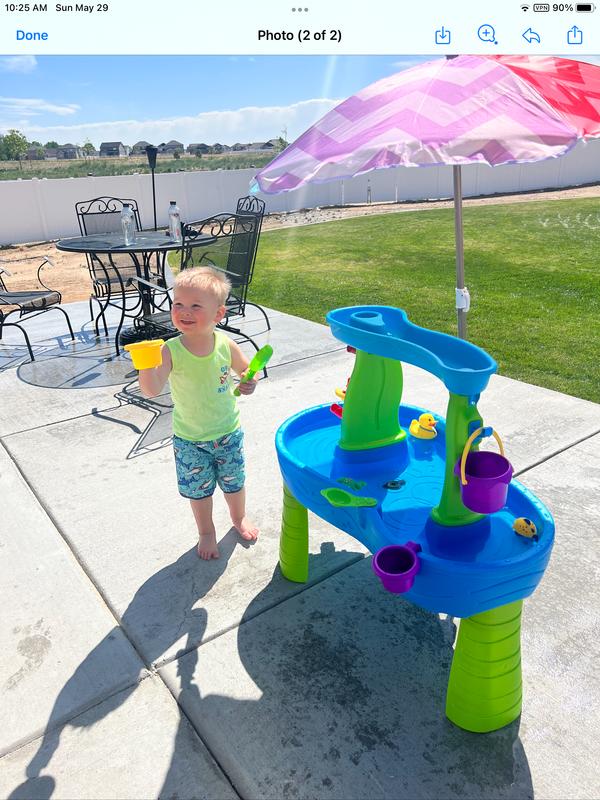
(31, 36)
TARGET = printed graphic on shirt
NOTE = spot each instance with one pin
(224, 379)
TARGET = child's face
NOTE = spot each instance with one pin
(195, 311)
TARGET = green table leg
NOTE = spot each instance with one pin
(484, 690)
(293, 544)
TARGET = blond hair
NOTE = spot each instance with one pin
(207, 279)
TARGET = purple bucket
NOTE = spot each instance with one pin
(396, 566)
(488, 475)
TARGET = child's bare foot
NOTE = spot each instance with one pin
(246, 529)
(207, 546)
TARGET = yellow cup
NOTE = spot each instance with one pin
(146, 354)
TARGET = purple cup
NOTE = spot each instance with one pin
(396, 566)
(488, 475)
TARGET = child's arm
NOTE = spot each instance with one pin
(239, 363)
(152, 381)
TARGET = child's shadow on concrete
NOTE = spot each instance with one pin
(161, 612)
(363, 711)
(353, 684)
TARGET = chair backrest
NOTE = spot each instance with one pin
(250, 204)
(244, 245)
(233, 249)
(103, 215)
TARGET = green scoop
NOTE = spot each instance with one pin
(340, 498)
(260, 361)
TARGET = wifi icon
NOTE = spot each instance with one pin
(524, 8)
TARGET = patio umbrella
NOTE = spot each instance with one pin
(459, 110)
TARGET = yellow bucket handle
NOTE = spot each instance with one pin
(467, 447)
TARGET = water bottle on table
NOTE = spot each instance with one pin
(128, 224)
(174, 222)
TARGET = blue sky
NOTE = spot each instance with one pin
(189, 98)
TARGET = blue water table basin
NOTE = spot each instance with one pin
(411, 487)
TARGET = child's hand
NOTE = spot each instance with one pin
(247, 387)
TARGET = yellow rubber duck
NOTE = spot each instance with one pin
(341, 393)
(424, 427)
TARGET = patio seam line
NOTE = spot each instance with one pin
(40, 732)
(139, 405)
(133, 402)
(277, 366)
(93, 412)
(302, 588)
(305, 358)
(205, 744)
(76, 556)
(54, 422)
(556, 453)
(182, 654)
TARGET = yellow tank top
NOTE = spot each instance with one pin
(202, 391)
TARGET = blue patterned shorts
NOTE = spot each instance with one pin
(201, 465)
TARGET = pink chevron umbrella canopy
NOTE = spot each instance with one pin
(463, 110)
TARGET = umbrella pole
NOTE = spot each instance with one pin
(460, 253)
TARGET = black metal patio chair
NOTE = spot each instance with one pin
(234, 253)
(233, 244)
(28, 304)
(103, 215)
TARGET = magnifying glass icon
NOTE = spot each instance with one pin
(487, 33)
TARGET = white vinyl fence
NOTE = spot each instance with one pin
(44, 209)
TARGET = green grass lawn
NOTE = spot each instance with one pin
(532, 270)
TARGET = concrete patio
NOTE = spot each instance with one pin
(131, 669)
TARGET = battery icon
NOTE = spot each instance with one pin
(541, 7)
(584, 7)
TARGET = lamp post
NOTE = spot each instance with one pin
(151, 152)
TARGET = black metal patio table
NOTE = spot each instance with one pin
(141, 251)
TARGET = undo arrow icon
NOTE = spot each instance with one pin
(531, 36)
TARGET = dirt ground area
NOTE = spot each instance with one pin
(70, 276)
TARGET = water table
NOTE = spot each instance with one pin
(390, 476)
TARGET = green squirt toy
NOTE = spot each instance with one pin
(260, 361)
